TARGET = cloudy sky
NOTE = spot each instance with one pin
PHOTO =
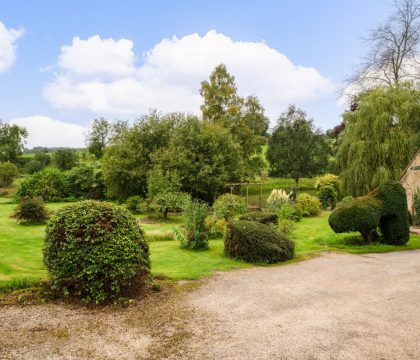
(63, 63)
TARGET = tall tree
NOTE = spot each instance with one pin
(243, 117)
(127, 160)
(379, 138)
(296, 149)
(12, 140)
(393, 49)
(98, 136)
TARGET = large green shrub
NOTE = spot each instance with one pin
(8, 171)
(65, 159)
(165, 201)
(194, 234)
(328, 179)
(384, 208)
(30, 210)
(50, 184)
(327, 196)
(308, 204)
(95, 251)
(261, 217)
(290, 212)
(255, 242)
(84, 181)
(134, 204)
(227, 206)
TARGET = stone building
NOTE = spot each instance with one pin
(410, 179)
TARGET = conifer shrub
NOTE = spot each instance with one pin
(95, 251)
(261, 217)
(30, 211)
(384, 208)
(254, 242)
(328, 197)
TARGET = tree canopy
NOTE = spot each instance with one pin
(296, 149)
(379, 139)
(12, 140)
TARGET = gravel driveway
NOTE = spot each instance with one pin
(332, 307)
(336, 306)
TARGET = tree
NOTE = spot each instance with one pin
(12, 139)
(40, 161)
(296, 149)
(8, 171)
(379, 139)
(127, 160)
(65, 159)
(98, 136)
(393, 49)
(243, 117)
(205, 157)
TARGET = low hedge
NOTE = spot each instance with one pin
(256, 243)
(261, 217)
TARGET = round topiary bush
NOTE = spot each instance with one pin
(261, 217)
(255, 242)
(95, 251)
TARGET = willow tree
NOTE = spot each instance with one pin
(380, 138)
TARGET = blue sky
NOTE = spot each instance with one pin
(282, 51)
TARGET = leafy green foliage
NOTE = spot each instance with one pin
(30, 210)
(215, 225)
(227, 206)
(165, 201)
(95, 251)
(416, 205)
(12, 138)
(345, 200)
(49, 184)
(8, 171)
(254, 242)
(327, 196)
(134, 204)
(286, 227)
(65, 159)
(330, 180)
(380, 138)
(85, 181)
(261, 217)
(40, 161)
(385, 207)
(308, 204)
(194, 233)
(290, 212)
(296, 149)
(243, 117)
(206, 158)
(127, 160)
(98, 136)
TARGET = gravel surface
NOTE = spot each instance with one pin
(335, 306)
(332, 307)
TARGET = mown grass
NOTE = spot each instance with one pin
(21, 248)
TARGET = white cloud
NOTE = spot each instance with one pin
(101, 76)
(8, 38)
(45, 131)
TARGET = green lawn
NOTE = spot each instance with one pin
(21, 248)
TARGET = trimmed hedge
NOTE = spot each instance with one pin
(256, 243)
(30, 210)
(261, 217)
(327, 196)
(384, 208)
(95, 251)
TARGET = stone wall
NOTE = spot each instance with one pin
(411, 181)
